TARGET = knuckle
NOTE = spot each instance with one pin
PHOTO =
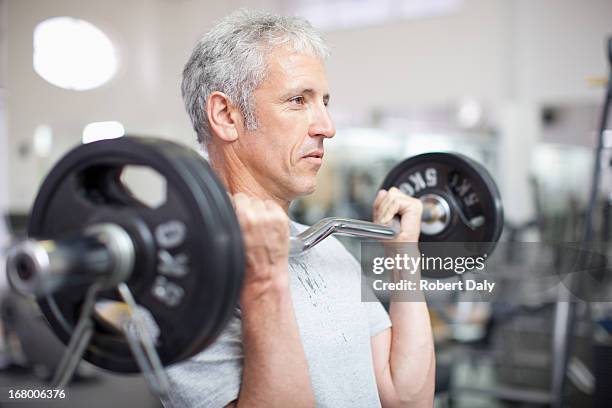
(257, 203)
(240, 197)
(270, 204)
(415, 203)
(241, 211)
(404, 196)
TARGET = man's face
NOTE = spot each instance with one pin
(285, 152)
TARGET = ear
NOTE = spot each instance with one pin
(224, 118)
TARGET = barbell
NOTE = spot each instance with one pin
(91, 243)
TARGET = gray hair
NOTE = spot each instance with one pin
(231, 58)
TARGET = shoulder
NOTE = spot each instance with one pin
(296, 227)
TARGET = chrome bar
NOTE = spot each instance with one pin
(103, 253)
(339, 226)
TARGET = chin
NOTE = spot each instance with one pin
(311, 189)
(306, 187)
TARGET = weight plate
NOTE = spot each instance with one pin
(189, 252)
(202, 172)
(462, 185)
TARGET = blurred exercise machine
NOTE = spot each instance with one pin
(565, 313)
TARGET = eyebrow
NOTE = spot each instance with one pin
(310, 91)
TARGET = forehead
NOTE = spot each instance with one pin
(290, 69)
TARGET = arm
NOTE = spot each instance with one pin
(404, 356)
(275, 371)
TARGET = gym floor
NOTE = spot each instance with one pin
(101, 390)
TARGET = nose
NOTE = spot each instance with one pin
(322, 124)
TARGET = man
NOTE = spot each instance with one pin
(256, 91)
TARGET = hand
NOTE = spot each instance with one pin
(265, 231)
(390, 203)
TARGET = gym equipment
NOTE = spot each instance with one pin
(461, 203)
(119, 280)
(565, 311)
(92, 229)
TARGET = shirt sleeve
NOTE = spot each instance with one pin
(378, 317)
(211, 378)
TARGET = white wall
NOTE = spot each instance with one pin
(3, 108)
(415, 63)
(4, 235)
(510, 54)
(559, 44)
(153, 38)
(554, 46)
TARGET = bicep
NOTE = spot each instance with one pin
(381, 350)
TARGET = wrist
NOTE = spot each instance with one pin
(272, 284)
(265, 306)
(408, 237)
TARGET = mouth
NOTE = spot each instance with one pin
(314, 156)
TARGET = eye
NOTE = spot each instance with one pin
(299, 100)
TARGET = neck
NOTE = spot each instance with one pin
(237, 178)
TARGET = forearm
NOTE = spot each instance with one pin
(412, 355)
(404, 355)
(275, 371)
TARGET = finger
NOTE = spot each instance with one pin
(277, 218)
(379, 197)
(388, 209)
(258, 205)
(381, 209)
(277, 231)
(247, 219)
(387, 200)
(411, 219)
(239, 200)
(277, 211)
(406, 203)
(272, 206)
(392, 211)
(260, 218)
(409, 205)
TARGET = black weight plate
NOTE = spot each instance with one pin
(190, 307)
(235, 257)
(466, 186)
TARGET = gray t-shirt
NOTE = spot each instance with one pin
(335, 328)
